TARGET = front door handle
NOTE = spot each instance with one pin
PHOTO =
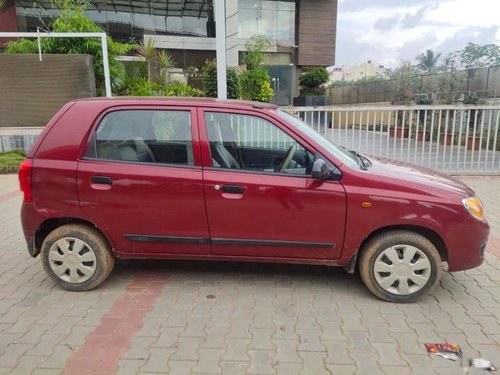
(103, 180)
(233, 189)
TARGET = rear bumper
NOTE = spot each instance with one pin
(32, 250)
(30, 220)
(466, 244)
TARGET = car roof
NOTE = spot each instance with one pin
(188, 101)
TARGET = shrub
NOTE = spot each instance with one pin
(313, 80)
(10, 161)
(209, 81)
(142, 87)
(471, 99)
(423, 100)
(181, 89)
(256, 85)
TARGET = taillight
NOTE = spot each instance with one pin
(25, 179)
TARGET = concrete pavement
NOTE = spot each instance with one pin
(174, 317)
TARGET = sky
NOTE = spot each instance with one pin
(388, 31)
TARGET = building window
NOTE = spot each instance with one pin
(273, 19)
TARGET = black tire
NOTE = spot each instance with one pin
(397, 242)
(101, 264)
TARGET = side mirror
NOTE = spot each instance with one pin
(320, 170)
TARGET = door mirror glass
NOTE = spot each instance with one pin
(320, 170)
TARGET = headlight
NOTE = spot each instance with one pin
(474, 206)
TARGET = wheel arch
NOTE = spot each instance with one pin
(46, 227)
(430, 234)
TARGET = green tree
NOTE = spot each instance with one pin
(428, 61)
(148, 51)
(406, 80)
(475, 56)
(255, 81)
(254, 54)
(71, 18)
(452, 79)
(209, 80)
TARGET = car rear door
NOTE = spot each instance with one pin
(254, 210)
(140, 180)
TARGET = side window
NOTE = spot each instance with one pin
(148, 136)
(255, 144)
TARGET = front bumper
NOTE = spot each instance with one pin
(466, 244)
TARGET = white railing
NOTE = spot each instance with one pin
(18, 138)
(454, 139)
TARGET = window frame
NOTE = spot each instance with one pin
(207, 155)
(90, 138)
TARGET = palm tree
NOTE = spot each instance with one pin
(428, 60)
(148, 51)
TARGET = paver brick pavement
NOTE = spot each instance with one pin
(237, 318)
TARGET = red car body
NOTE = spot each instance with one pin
(167, 211)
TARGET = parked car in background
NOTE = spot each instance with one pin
(228, 180)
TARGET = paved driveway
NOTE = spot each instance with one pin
(232, 318)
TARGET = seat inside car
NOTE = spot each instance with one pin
(121, 138)
(221, 157)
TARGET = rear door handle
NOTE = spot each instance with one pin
(103, 180)
(233, 189)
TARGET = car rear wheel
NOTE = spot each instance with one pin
(400, 266)
(77, 257)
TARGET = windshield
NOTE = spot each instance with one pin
(339, 152)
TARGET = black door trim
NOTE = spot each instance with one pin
(167, 239)
(251, 242)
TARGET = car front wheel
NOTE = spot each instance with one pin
(77, 257)
(400, 266)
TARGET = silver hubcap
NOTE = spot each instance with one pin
(72, 260)
(402, 269)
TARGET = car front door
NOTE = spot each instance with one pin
(141, 181)
(261, 199)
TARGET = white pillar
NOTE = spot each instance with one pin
(105, 65)
(220, 44)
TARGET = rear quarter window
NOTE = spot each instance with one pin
(144, 136)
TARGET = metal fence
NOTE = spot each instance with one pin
(453, 139)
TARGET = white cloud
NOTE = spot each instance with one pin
(467, 13)
(398, 29)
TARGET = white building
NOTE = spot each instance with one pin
(356, 72)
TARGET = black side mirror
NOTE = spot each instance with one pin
(320, 170)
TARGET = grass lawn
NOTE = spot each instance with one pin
(10, 160)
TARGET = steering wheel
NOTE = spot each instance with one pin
(288, 158)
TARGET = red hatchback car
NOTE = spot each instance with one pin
(229, 180)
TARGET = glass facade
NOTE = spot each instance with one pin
(130, 21)
(273, 19)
